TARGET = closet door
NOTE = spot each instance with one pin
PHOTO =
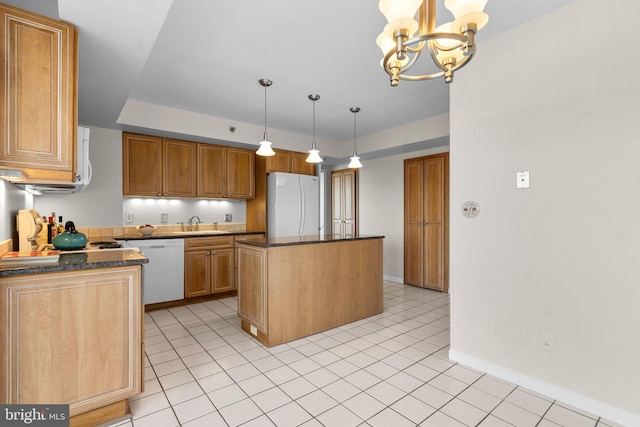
(426, 198)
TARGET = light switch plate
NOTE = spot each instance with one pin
(522, 179)
(164, 217)
(227, 217)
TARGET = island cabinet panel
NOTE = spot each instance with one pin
(71, 338)
(252, 304)
(38, 108)
(290, 292)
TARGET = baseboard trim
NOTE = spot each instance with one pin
(554, 391)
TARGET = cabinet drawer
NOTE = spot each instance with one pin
(208, 242)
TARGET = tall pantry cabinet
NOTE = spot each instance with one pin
(426, 222)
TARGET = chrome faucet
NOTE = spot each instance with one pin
(197, 222)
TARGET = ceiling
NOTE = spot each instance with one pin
(206, 57)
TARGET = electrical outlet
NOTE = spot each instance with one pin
(164, 217)
(522, 179)
(547, 341)
(253, 330)
(128, 217)
(227, 217)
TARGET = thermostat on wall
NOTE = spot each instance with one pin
(470, 209)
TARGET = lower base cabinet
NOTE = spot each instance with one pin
(209, 266)
(72, 338)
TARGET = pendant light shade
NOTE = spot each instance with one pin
(265, 145)
(355, 160)
(314, 154)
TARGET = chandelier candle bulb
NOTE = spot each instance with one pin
(451, 46)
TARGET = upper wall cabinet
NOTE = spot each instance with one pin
(38, 94)
(225, 172)
(158, 167)
(290, 162)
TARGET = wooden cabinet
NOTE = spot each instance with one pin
(292, 291)
(38, 108)
(72, 337)
(209, 266)
(344, 202)
(252, 301)
(157, 167)
(225, 172)
(242, 237)
(160, 167)
(426, 221)
(290, 162)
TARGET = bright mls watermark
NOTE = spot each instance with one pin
(34, 415)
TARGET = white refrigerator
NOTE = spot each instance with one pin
(292, 204)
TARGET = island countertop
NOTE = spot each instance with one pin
(269, 242)
(77, 261)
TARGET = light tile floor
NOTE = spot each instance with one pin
(389, 370)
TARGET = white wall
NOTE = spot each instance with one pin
(13, 199)
(100, 205)
(381, 206)
(557, 97)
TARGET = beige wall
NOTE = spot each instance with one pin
(560, 259)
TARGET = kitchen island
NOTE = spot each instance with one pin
(292, 287)
(71, 332)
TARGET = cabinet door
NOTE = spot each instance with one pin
(252, 286)
(197, 273)
(179, 168)
(281, 162)
(241, 180)
(142, 165)
(38, 108)
(414, 228)
(212, 170)
(222, 270)
(434, 223)
(299, 164)
(71, 338)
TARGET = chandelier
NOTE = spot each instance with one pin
(450, 45)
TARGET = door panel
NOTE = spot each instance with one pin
(196, 271)
(212, 170)
(414, 255)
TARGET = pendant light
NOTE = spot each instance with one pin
(265, 145)
(355, 160)
(314, 154)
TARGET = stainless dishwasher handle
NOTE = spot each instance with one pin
(156, 247)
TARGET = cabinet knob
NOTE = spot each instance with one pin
(159, 194)
(166, 194)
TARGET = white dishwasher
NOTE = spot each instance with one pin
(163, 275)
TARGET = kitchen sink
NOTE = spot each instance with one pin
(202, 232)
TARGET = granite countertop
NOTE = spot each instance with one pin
(268, 242)
(78, 261)
(187, 234)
